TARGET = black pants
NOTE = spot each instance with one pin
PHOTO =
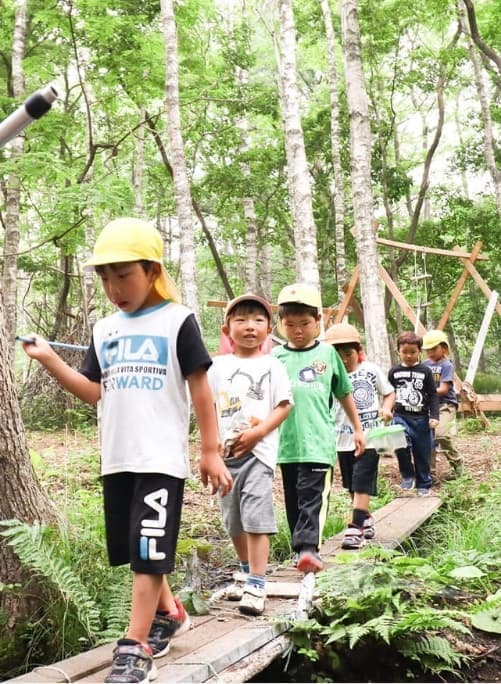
(307, 489)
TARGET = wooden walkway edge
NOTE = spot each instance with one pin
(226, 646)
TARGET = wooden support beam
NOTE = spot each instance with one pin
(459, 286)
(400, 299)
(349, 291)
(427, 250)
(481, 283)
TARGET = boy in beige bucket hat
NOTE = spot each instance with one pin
(141, 362)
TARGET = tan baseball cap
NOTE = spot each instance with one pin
(248, 297)
(300, 293)
(341, 333)
(132, 239)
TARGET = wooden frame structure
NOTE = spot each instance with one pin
(470, 402)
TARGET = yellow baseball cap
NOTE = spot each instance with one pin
(300, 293)
(132, 239)
(433, 338)
(248, 297)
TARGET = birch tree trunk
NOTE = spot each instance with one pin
(305, 231)
(251, 251)
(338, 190)
(360, 159)
(182, 190)
(138, 170)
(483, 98)
(13, 186)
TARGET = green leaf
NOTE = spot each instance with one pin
(488, 620)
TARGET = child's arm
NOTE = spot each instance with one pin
(212, 466)
(69, 378)
(351, 411)
(246, 441)
(387, 407)
(443, 388)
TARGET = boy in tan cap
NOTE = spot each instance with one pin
(141, 362)
(252, 396)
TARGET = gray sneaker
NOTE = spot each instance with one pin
(131, 663)
(423, 491)
(165, 627)
(407, 483)
(369, 528)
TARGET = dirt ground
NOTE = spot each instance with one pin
(481, 452)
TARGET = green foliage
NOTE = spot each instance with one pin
(377, 598)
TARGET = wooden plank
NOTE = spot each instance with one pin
(225, 641)
(427, 250)
(70, 669)
(394, 522)
(486, 402)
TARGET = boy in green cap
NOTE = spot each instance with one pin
(141, 362)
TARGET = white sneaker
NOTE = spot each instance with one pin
(234, 591)
(253, 600)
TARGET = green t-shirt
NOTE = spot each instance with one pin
(317, 375)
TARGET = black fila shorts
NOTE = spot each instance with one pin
(142, 514)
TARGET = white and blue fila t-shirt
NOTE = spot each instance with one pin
(142, 361)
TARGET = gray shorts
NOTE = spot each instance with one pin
(249, 505)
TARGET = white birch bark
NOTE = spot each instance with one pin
(338, 189)
(360, 159)
(305, 231)
(182, 190)
(483, 98)
(251, 249)
(12, 234)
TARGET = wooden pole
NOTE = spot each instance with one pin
(343, 307)
(401, 301)
(459, 286)
(427, 250)
(481, 283)
(482, 334)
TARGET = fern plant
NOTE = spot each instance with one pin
(380, 601)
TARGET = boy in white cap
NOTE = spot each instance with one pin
(436, 346)
(373, 396)
(140, 364)
(252, 396)
(307, 450)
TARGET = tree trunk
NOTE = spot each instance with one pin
(13, 185)
(21, 496)
(360, 158)
(182, 189)
(305, 231)
(336, 142)
(483, 98)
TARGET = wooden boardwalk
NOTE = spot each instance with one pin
(228, 647)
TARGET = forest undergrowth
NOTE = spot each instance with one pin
(429, 609)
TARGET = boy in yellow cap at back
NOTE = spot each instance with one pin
(373, 396)
(141, 362)
(436, 346)
(307, 450)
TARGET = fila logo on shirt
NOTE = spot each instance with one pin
(133, 349)
(153, 528)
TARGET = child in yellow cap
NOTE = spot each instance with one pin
(141, 362)
(436, 346)
(307, 449)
